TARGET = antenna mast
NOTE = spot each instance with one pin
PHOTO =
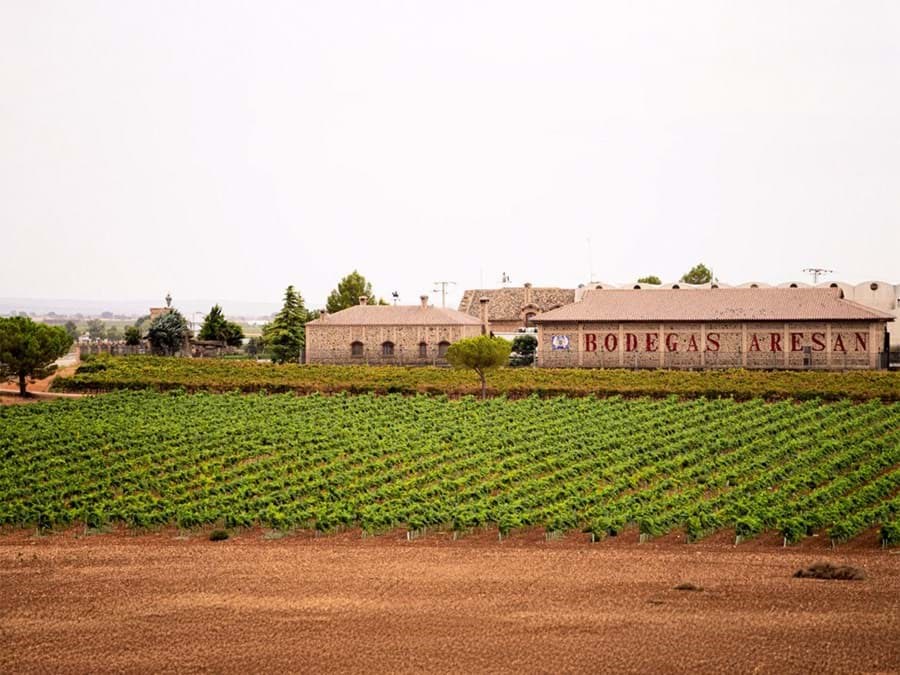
(817, 272)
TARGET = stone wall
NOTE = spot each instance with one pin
(795, 345)
(334, 344)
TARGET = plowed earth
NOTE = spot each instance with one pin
(160, 603)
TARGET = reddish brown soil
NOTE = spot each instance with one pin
(159, 603)
(9, 390)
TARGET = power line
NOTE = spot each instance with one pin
(443, 289)
(816, 272)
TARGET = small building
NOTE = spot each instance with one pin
(514, 308)
(388, 334)
(156, 312)
(794, 328)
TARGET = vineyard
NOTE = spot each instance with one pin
(220, 375)
(647, 466)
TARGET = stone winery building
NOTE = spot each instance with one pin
(796, 328)
(389, 334)
(512, 308)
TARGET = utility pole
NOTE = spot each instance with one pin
(443, 289)
(816, 272)
(590, 252)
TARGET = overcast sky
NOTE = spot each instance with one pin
(227, 149)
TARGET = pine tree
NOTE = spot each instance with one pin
(285, 336)
(348, 292)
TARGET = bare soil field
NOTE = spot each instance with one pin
(163, 603)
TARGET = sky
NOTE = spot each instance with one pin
(224, 150)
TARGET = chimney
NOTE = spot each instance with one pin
(483, 312)
(528, 293)
(323, 314)
(362, 299)
(424, 300)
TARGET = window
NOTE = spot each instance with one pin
(423, 350)
(356, 348)
(529, 317)
(443, 346)
(387, 348)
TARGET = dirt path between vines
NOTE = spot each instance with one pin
(156, 603)
(66, 367)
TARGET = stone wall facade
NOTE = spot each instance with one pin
(383, 344)
(770, 345)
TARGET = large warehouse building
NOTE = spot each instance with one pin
(799, 328)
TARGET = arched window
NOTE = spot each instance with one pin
(423, 350)
(443, 346)
(387, 348)
(529, 317)
(356, 348)
(676, 286)
(637, 287)
(793, 286)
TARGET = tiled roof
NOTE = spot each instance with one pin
(395, 315)
(716, 304)
(507, 304)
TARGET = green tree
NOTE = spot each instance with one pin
(284, 336)
(652, 279)
(28, 349)
(234, 334)
(113, 333)
(168, 332)
(72, 329)
(132, 336)
(348, 292)
(482, 354)
(96, 329)
(523, 347)
(215, 327)
(699, 274)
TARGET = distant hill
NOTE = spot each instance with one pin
(135, 308)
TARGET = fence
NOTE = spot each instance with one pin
(399, 357)
(112, 348)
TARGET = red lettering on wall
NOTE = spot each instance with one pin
(671, 342)
(818, 340)
(692, 344)
(712, 342)
(611, 342)
(795, 342)
(754, 344)
(776, 342)
(630, 342)
(839, 344)
(860, 342)
(652, 339)
(590, 342)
